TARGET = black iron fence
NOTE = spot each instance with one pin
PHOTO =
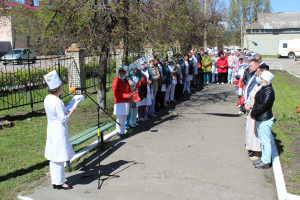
(22, 82)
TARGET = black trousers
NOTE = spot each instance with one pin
(222, 77)
(178, 90)
(162, 99)
(157, 99)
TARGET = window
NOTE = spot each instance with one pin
(28, 41)
(24, 51)
(284, 45)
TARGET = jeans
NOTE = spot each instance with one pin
(230, 76)
(206, 76)
(127, 120)
(214, 77)
(133, 115)
(167, 97)
(264, 135)
(187, 86)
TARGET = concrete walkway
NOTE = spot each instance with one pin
(194, 150)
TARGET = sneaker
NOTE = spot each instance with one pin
(146, 118)
(257, 162)
(222, 83)
(142, 119)
(189, 92)
(132, 125)
(218, 83)
(136, 124)
(239, 113)
(207, 82)
(262, 165)
(168, 102)
(173, 102)
(123, 136)
(153, 115)
(166, 105)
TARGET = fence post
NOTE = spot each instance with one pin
(76, 71)
(29, 79)
(119, 56)
(148, 51)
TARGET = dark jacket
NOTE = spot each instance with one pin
(191, 67)
(246, 75)
(264, 66)
(182, 67)
(167, 75)
(262, 108)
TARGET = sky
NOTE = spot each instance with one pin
(281, 5)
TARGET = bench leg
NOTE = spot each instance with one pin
(68, 166)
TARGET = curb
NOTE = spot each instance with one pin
(279, 179)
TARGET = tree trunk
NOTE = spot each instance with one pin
(102, 71)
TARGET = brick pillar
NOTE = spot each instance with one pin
(76, 69)
(119, 57)
(177, 46)
(148, 51)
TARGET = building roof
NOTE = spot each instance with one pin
(276, 21)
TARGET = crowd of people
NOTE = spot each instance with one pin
(163, 81)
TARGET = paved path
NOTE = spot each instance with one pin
(286, 63)
(192, 151)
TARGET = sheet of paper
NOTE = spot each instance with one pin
(75, 101)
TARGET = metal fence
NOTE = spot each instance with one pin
(22, 83)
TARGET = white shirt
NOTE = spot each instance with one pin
(58, 146)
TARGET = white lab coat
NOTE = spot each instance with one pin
(58, 146)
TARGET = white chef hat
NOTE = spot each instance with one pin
(268, 76)
(151, 57)
(225, 51)
(215, 48)
(140, 62)
(232, 51)
(207, 49)
(52, 79)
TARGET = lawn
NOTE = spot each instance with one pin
(22, 146)
(286, 128)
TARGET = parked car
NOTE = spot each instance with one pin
(19, 56)
(290, 48)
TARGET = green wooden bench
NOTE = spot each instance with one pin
(86, 135)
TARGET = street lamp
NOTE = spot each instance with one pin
(242, 25)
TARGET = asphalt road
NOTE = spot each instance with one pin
(194, 150)
(285, 63)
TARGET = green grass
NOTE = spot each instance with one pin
(270, 56)
(22, 146)
(286, 128)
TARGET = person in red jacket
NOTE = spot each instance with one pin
(122, 95)
(222, 68)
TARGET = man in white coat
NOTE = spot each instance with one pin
(58, 146)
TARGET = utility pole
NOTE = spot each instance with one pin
(205, 30)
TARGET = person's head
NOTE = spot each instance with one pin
(56, 91)
(198, 54)
(151, 63)
(186, 57)
(228, 53)
(179, 56)
(241, 53)
(155, 61)
(143, 67)
(216, 53)
(222, 55)
(190, 54)
(241, 59)
(245, 60)
(258, 57)
(163, 61)
(205, 54)
(232, 52)
(133, 68)
(195, 51)
(253, 66)
(237, 54)
(259, 72)
(126, 68)
(266, 78)
(121, 73)
(202, 53)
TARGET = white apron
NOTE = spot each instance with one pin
(147, 101)
(58, 146)
(189, 77)
(121, 109)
